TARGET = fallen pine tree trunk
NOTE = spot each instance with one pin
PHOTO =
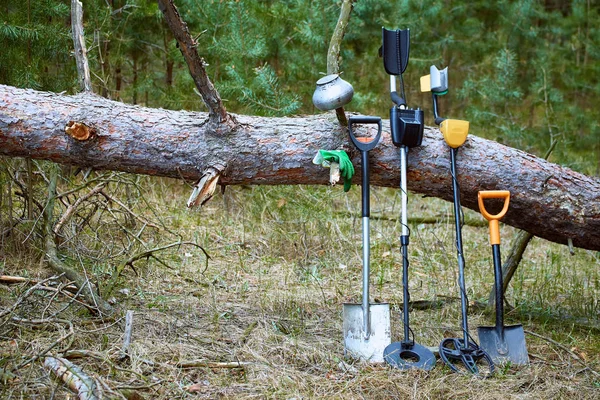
(548, 200)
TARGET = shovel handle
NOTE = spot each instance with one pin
(364, 143)
(493, 218)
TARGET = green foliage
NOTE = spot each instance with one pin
(524, 72)
(263, 94)
(36, 45)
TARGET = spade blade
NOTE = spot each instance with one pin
(504, 344)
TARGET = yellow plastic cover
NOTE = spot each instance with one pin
(426, 83)
(455, 131)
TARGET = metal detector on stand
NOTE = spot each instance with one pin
(460, 354)
(407, 131)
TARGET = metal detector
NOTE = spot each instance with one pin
(407, 127)
(460, 354)
(366, 325)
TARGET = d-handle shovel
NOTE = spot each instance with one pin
(366, 326)
(502, 343)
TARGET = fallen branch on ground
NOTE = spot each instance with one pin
(127, 335)
(438, 219)
(103, 358)
(73, 377)
(10, 280)
(213, 364)
(27, 294)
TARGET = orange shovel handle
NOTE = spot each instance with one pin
(493, 218)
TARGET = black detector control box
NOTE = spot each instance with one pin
(407, 126)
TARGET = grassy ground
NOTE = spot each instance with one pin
(283, 260)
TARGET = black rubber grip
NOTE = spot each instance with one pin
(399, 101)
(365, 189)
(364, 119)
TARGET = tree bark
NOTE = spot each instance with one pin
(335, 45)
(83, 69)
(547, 200)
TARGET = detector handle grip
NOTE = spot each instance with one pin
(397, 99)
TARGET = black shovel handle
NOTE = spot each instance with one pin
(364, 146)
(363, 143)
(499, 290)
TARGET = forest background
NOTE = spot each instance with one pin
(523, 72)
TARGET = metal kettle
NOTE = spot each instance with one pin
(332, 92)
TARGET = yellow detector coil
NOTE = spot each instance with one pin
(455, 131)
(426, 83)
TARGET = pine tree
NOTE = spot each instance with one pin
(36, 45)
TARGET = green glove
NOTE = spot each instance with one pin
(346, 167)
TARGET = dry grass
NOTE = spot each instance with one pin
(283, 262)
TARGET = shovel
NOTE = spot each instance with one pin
(366, 326)
(502, 343)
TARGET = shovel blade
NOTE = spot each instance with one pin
(505, 344)
(355, 344)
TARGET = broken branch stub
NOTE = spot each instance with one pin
(205, 188)
(79, 131)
